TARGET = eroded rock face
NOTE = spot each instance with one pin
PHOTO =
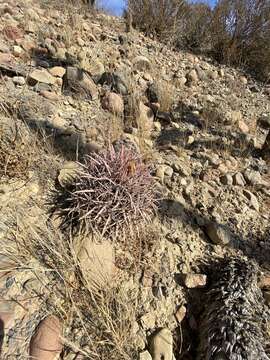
(46, 343)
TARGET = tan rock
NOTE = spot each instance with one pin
(192, 76)
(31, 27)
(148, 320)
(145, 118)
(7, 314)
(32, 14)
(68, 173)
(264, 281)
(243, 80)
(46, 343)
(113, 103)
(195, 280)
(181, 313)
(12, 32)
(218, 234)
(145, 356)
(6, 58)
(243, 127)
(213, 74)
(235, 117)
(57, 71)
(50, 95)
(17, 51)
(161, 346)
(42, 76)
(96, 262)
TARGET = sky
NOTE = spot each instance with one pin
(113, 6)
(116, 6)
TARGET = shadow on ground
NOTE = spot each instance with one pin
(2, 334)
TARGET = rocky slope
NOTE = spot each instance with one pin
(83, 83)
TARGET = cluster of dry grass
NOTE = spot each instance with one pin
(98, 323)
(22, 151)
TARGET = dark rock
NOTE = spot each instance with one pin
(77, 81)
(152, 93)
(114, 82)
(123, 39)
(218, 234)
(264, 121)
(165, 117)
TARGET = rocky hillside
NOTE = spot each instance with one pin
(73, 83)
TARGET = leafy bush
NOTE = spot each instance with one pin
(240, 34)
(160, 18)
(113, 192)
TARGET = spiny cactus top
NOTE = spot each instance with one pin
(233, 322)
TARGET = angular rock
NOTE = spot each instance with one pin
(50, 95)
(218, 234)
(46, 344)
(162, 171)
(19, 80)
(145, 118)
(243, 80)
(148, 321)
(41, 76)
(243, 127)
(264, 121)
(253, 199)
(114, 82)
(113, 103)
(145, 356)
(264, 282)
(181, 313)
(57, 71)
(12, 32)
(226, 179)
(253, 177)
(79, 82)
(68, 172)
(161, 345)
(5, 58)
(238, 179)
(192, 281)
(192, 76)
(7, 316)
